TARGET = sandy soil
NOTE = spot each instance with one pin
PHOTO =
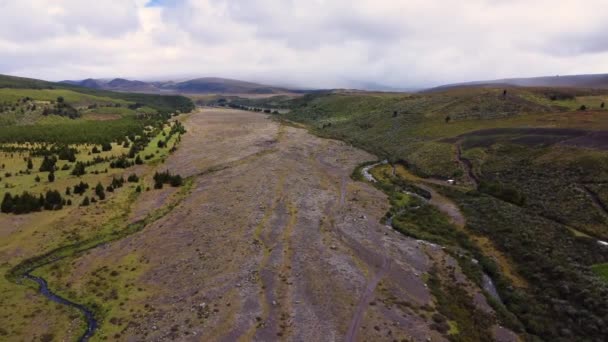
(275, 241)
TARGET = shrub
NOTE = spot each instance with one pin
(99, 191)
(48, 164)
(106, 146)
(79, 169)
(85, 202)
(133, 178)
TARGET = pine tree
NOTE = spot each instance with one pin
(51, 177)
(30, 165)
(7, 203)
(99, 191)
(85, 201)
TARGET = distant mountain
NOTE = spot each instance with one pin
(599, 81)
(206, 85)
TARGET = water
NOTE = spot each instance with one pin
(90, 318)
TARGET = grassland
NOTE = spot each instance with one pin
(546, 157)
(39, 119)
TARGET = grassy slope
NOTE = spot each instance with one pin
(536, 235)
(27, 315)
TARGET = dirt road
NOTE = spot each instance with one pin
(276, 243)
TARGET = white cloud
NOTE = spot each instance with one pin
(318, 43)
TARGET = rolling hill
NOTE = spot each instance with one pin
(595, 81)
(205, 85)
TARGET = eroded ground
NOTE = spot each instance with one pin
(274, 241)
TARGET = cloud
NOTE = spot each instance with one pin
(316, 43)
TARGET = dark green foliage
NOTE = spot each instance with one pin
(7, 203)
(121, 163)
(67, 153)
(502, 191)
(53, 200)
(48, 164)
(80, 188)
(51, 177)
(26, 203)
(160, 144)
(455, 303)
(30, 165)
(79, 169)
(85, 202)
(166, 178)
(76, 132)
(117, 182)
(106, 146)
(138, 160)
(132, 178)
(562, 289)
(37, 179)
(99, 191)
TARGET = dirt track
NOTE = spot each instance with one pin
(277, 243)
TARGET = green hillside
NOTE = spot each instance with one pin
(532, 169)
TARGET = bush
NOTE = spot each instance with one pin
(85, 201)
(81, 188)
(504, 192)
(99, 191)
(133, 178)
(79, 169)
(48, 164)
(106, 146)
(166, 178)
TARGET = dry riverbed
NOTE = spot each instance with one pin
(274, 241)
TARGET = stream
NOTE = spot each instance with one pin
(89, 316)
(487, 283)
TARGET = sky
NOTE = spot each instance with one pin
(309, 43)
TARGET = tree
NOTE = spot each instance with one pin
(132, 178)
(448, 119)
(67, 191)
(79, 169)
(602, 105)
(99, 191)
(51, 177)
(48, 164)
(504, 93)
(106, 146)
(53, 200)
(37, 179)
(85, 201)
(138, 160)
(583, 108)
(30, 165)
(7, 203)
(60, 99)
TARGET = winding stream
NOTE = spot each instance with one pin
(88, 314)
(487, 283)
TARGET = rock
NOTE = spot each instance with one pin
(333, 247)
(274, 302)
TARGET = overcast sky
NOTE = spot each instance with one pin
(307, 43)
